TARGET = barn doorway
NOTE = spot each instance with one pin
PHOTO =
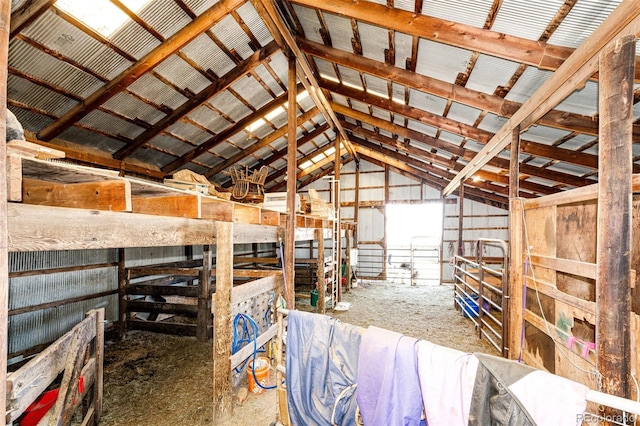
(413, 234)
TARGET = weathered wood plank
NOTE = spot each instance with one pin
(165, 327)
(613, 283)
(212, 209)
(574, 267)
(162, 307)
(205, 320)
(247, 350)
(222, 390)
(76, 229)
(104, 195)
(14, 178)
(187, 206)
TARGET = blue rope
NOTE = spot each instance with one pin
(247, 336)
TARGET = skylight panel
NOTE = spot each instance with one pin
(101, 15)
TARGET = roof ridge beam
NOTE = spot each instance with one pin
(189, 32)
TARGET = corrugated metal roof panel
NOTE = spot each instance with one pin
(325, 68)
(264, 74)
(251, 18)
(408, 5)
(492, 122)
(583, 101)
(188, 132)
(527, 20)
(309, 21)
(232, 36)
(490, 72)
(451, 138)
(199, 6)
(151, 156)
(29, 120)
(209, 159)
(305, 102)
(470, 12)
(279, 144)
(230, 105)
(376, 85)
(528, 84)
(427, 102)
(403, 46)
(583, 19)
(280, 66)
(91, 139)
(251, 91)
(423, 128)
(39, 97)
(578, 142)
(132, 107)
(149, 87)
(170, 144)
(381, 113)
(543, 134)
(340, 31)
(374, 41)
(60, 36)
(463, 113)
(350, 76)
(441, 61)
(183, 75)
(226, 150)
(99, 120)
(134, 39)
(208, 55)
(46, 67)
(209, 119)
(165, 16)
(571, 169)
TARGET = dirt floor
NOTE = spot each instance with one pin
(159, 380)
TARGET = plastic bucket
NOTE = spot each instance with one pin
(261, 373)
(314, 297)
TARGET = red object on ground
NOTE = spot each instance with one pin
(41, 406)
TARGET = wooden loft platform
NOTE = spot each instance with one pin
(58, 206)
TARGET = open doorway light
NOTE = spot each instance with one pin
(101, 15)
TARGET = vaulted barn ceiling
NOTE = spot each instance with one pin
(418, 85)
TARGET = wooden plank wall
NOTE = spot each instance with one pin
(559, 282)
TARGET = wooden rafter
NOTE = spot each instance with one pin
(473, 98)
(222, 84)
(27, 13)
(464, 130)
(532, 52)
(142, 66)
(573, 73)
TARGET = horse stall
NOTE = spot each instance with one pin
(561, 324)
(77, 357)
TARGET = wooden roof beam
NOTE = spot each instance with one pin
(204, 95)
(262, 143)
(531, 52)
(582, 64)
(27, 13)
(269, 14)
(455, 127)
(467, 154)
(189, 32)
(456, 93)
(308, 171)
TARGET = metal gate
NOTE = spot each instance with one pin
(481, 291)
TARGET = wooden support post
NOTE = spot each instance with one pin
(515, 310)
(292, 171)
(460, 219)
(356, 205)
(613, 281)
(514, 165)
(347, 256)
(123, 316)
(204, 296)
(322, 282)
(336, 202)
(5, 17)
(222, 391)
(98, 389)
